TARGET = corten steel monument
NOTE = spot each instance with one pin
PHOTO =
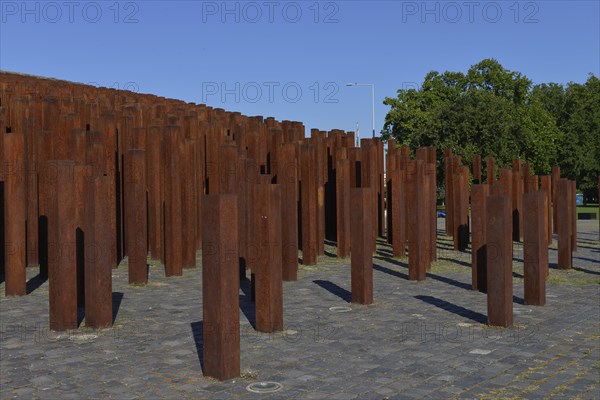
(564, 225)
(220, 288)
(535, 248)
(479, 194)
(361, 239)
(135, 214)
(417, 221)
(499, 260)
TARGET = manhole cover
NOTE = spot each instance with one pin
(83, 338)
(264, 387)
(517, 310)
(340, 309)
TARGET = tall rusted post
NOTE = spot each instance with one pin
(517, 201)
(418, 253)
(135, 203)
(343, 208)
(477, 169)
(448, 179)
(564, 225)
(535, 248)
(490, 170)
(14, 213)
(98, 257)
(479, 194)
(573, 210)
(499, 261)
(288, 180)
(61, 246)
(269, 289)
(361, 236)
(173, 202)
(546, 188)
(398, 209)
(555, 179)
(460, 208)
(309, 204)
(220, 287)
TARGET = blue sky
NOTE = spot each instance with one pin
(292, 59)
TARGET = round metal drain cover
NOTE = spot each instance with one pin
(340, 309)
(264, 387)
(83, 338)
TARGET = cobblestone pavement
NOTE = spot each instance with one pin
(419, 340)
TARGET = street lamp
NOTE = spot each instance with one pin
(372, 99)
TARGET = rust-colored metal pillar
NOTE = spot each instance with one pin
(546, 188)
(220, 288)
(15, 213)
(188, 203)
(477, 169)
(460, 209)
(135, 215)
(361, 236)
(62, 266)
(155, 215)
(555, 179)
(343, 208)
(431, 172)
(564, 214)
(490, 170)
(535, 248)
(309, 204)
(517, 201)
(573, 210)
(417, 209)
(173, 203)
(479, 194)
(98, 257)
(499, 261)
(288, 180)
(526, 178)
(448, 180)
(398, 209)
(268, 273)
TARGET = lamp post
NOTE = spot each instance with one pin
(372, 100)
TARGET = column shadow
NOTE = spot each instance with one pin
(335, 289)
(453, 308)
(198, 334)
(246, 304)
(35, 283)
(117, 298)
(449, 281)
(390, 271)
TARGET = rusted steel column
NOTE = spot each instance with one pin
(535, 248)
(499, 261)
(227, 169)
(391, 170)
(460, 208)
(251, 252)
(517, 201)
(188, 200)
(268, 274)
(288, 180)
(431, 171)
(61, 246)
(98, 258)
(417, 230)
(398, 209)
(31, 179)
(83, 173)
(44, 144)
(309, 204)
(477, 169)
(343, 208)
(173, 202)
(448, 178)
(555, 179)
(135, 215)
(479, 194)
(361, 236)
(320, 164)
(526, 178)
(15, 213)
(490, 170)
(380, 188)
(546, 188)
(534, 183)
(573, 198)
(355, 157)
(154, 192)
(220, 288)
